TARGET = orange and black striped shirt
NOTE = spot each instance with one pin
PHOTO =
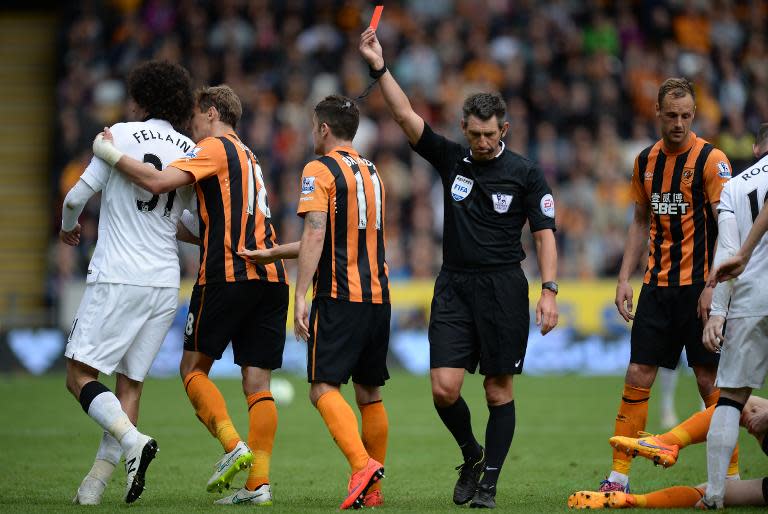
(232, 211)
(347, 187)
(680, 188)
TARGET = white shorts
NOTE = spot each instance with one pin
(744, 356)
(120, 328)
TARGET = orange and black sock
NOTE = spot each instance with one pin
(691, 431)
(375, 432)
(672, 497)
(211, 409)
(342, 424)
(633, 412)
(262, 419)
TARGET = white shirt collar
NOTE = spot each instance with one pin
(501, 150)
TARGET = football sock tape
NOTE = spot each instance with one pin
(90, 391)
(765, 489)
(730, 403)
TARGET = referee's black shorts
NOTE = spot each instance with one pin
(251, 314)
(480, 317)
(348, 339)
(666, 321)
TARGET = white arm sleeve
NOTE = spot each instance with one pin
(727, 245)
(96, 174)
(74, 202)
(189, 220)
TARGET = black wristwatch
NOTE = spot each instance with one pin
(552, 286)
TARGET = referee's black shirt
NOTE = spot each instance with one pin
(486, 203)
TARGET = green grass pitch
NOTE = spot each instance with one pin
(560, 446)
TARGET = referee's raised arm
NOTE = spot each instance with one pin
(397, 102)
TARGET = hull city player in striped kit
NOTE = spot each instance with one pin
(347, 331)
(341, 253)
(676, 186)
(233, 299)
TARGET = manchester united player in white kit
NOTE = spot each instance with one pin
(744, 348)
(133, 278)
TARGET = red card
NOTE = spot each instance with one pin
(376, 16)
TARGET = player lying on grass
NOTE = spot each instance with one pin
(737, 493)
(663, 449)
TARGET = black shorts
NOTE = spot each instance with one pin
(251, 314)
(666, 321)
(480, 317)
(348, 339)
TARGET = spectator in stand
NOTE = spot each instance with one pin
(561, 67)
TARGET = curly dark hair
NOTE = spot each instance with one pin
(485, 106)
(164, 90)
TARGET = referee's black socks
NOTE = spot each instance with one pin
(498, 439)
(458, 421)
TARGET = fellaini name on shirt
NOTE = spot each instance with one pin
(153, 135)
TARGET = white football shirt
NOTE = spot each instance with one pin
(137, 230)
(744, 196)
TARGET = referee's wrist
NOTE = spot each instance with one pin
(377, 72)
(551, 286)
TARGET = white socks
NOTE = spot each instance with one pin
(668, 382)
(721, 440)
(620, 478)
(105, 409)
(109, 449)
(107, 457)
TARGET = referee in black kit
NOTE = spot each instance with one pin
(480, 306)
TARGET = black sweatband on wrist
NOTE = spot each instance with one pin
(730, 403)
(376, 74)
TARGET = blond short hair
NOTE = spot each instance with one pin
(224, 99)
(677, 87)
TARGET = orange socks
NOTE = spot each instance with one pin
(211, 409)
(375, 432)
(691, 431)
(631, 418)
(262, 417)
(711, 398)
(694, 430)
(673, 497)
(342, 424)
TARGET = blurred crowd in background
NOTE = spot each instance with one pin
(580, 79)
